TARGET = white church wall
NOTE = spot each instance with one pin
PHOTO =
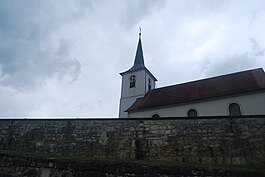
(252, 104)
(125, 104)
(129, 95)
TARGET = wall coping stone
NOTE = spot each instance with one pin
(130, 119)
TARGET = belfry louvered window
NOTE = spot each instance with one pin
(132, 81)
(149, 84)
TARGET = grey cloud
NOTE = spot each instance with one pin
(47, 44)
(30, 70)
(238, 62)
(254, 58)
(28, 56)
(137, 10)
(257, 50)
(230, 64)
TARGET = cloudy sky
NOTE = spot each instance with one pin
(62, 58)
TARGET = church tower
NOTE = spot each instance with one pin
(136, 81)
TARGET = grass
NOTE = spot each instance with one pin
(58, 156)
(241, 166)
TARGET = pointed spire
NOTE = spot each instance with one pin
(139, 58)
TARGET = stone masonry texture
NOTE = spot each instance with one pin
(11, 166)
(222, 140)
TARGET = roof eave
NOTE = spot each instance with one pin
(197, 100)
(139, 69)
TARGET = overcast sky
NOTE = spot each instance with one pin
(63, 57)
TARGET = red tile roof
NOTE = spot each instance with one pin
(220, 86)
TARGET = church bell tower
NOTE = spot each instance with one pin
(136, 81)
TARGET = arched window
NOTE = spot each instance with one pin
(234, 109)
(132, 81)
(192, 113)
(155, 116)
(149, 84)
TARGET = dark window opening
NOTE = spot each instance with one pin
(192, 113)
(155, 116)
(149, 84)
(132, 81)
(234, 110)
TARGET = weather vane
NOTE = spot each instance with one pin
(140, 31)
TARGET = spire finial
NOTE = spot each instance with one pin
(140, 32)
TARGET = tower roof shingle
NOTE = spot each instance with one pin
(139, 60)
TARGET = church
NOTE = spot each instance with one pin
(235, 94)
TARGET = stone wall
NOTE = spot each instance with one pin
(204, 140)
(11, 166)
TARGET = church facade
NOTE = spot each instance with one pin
(236, 94)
